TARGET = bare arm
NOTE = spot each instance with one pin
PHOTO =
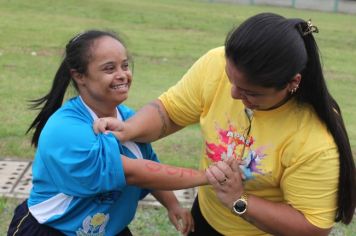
(150, 123)
(153, 175)
(271, 217)
(279, 218)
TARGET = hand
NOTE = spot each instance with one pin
(226, 180)
(181, 219)
(105, 124)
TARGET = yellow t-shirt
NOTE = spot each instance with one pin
(289, 155)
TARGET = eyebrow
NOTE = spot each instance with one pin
(249, 91)
(245, 90)
(112, 62)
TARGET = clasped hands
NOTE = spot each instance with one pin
(227, 180)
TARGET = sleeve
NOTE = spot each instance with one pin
(186, 100)
(310, 181)
(79, 162)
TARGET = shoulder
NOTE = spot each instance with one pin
(208, 70)
(218, 51)
(125, 111)
(215, 55)
(71, 113)
(311, 136)
(68, 123)
(310, 122)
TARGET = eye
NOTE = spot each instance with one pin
(109, 69)
(125, 66)
(253, 94)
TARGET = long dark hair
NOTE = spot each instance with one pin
(77, 57)
(270, 50)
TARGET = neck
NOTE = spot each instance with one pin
(281, 103)
(104, 113)
(100, 109)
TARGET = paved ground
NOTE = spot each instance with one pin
(16, 176)
(343, 6)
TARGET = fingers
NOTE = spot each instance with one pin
(182, 221)
(114, 124)
(188, 223)
(99, 125)
(228, 161)
(216, 182)
(174, 221)
(243, 177)
(235, 165)
(221, 170)
(185, 224)
(211, 178)
(223, 182)
(103, 125)
(224, 172)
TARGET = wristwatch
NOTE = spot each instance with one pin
(239, 207)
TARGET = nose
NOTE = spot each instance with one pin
(237, 93)
(120, 74)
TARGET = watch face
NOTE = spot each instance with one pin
(240, 206)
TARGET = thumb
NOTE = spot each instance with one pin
(235, 165)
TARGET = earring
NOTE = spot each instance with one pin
(293, 90)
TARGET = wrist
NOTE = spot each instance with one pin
(173, 206)
(240, 205)
(126, 132)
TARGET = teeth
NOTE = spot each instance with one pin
(119, 86)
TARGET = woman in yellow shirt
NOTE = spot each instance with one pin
(262, 100)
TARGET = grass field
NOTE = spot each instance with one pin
(165, 37)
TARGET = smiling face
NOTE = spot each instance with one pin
(108, 78)
(257, 97)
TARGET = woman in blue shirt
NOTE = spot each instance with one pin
(88, 184)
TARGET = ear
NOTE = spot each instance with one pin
(293, 85)
(78, 77)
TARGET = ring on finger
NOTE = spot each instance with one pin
(222, 182)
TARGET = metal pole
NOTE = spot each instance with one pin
(336, 5)
(293, 3)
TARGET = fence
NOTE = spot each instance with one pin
(345, 6)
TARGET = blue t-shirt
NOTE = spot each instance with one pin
(79, 185)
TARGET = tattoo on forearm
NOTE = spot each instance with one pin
(171, 170)
(164, 127)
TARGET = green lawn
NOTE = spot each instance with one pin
(165, 38)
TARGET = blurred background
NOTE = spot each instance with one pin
(165, 37)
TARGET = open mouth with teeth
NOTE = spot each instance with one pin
(120, 87)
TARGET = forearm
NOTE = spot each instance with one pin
(153, 175)
(149, 124)
(275, 218)
(166, 198)
(279, 218)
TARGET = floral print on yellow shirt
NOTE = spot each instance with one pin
(235, 144)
